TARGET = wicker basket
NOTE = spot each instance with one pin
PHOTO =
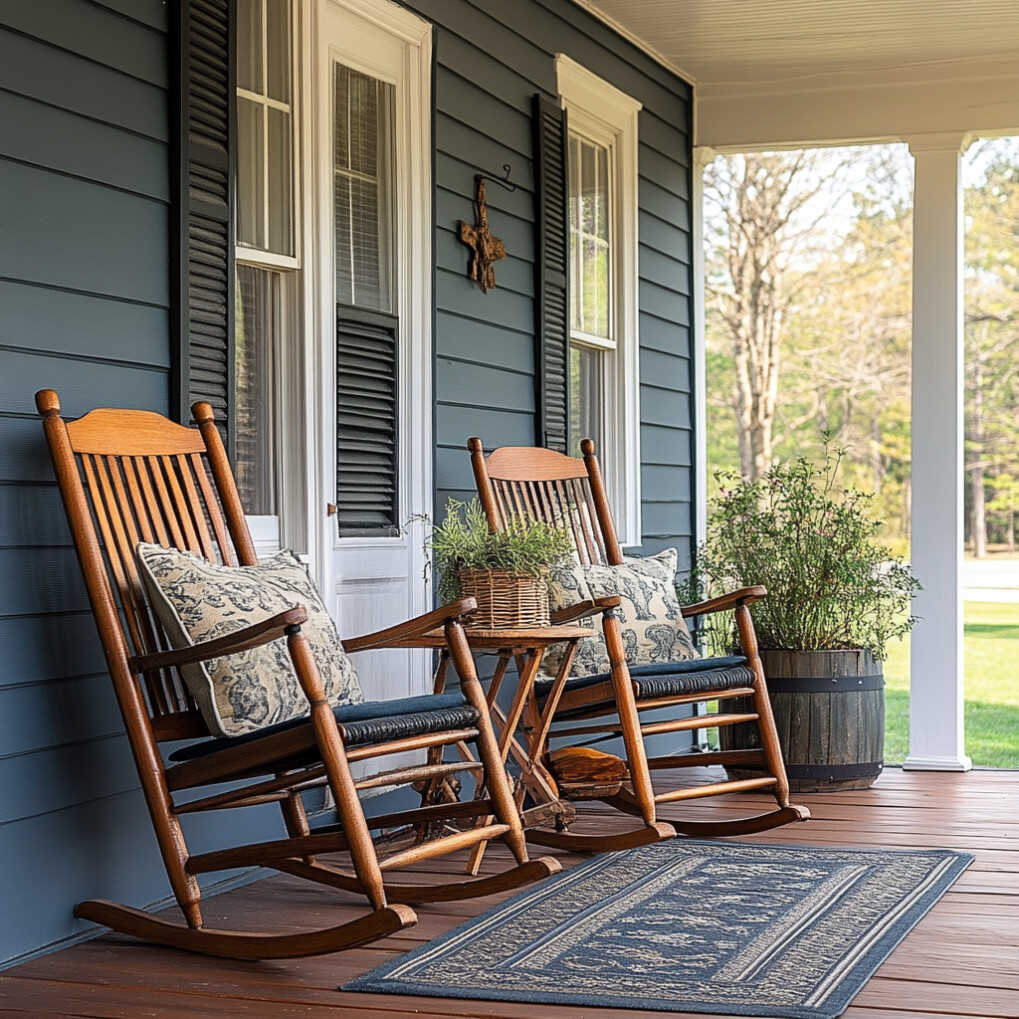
(506, 601)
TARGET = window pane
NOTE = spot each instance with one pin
(601, 193)
(280, 184)
(278, 49)
(588, 188)
(590, 255)
(586, 366)
(250, 174)
(574, 171)
(256, 324)
(596, 287)
(249, 45)
(364, 147)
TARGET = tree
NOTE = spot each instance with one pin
(762, 211)
(992, 339)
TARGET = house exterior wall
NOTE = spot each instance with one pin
(84, 297)
(491, 57)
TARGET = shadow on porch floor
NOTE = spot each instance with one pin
(962, 959)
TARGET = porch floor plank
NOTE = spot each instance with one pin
(961, 960)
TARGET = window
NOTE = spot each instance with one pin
(364, 195)
(265, 206)
(592, 330)
(266, 240)
(257, 323)
(367, 328)
(604, 345)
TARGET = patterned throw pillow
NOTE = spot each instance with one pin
(197, 600)
(649, 613)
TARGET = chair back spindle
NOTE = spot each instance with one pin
(128, 476)
(531, 483)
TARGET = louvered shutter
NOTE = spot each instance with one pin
(367, 351)
(552, 307)
(202, 172)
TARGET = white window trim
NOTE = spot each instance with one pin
(603, 113)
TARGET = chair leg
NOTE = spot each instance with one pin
(626, 705)
(334, 757)
(762, 706)
(166, 824)
(295, 818)
(504, 806)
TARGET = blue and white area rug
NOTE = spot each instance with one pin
(688, 926)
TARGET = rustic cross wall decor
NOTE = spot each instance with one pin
(486, 248)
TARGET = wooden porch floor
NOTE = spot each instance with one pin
(962, 959)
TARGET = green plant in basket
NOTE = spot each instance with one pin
(462, 541)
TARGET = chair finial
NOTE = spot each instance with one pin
(202, 411)
(47, 402)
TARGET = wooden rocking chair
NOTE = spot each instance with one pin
(128, 476)
(541, 484)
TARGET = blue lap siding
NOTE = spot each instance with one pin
(491, 58)
(84, 299)
(84, 296)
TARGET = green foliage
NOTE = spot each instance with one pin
(463, 542)
(992, 695)
(831, 583)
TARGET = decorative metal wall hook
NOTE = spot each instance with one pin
(503, 181)
(486, 248)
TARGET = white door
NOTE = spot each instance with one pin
(372, 211)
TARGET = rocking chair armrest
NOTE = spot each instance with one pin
(229, 644)
(584, 608)
(402, 633)
(743, 596)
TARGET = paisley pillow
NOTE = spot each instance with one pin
(649, 614)
(197, 600)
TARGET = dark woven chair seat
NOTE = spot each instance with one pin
(361, 724)
(664, 679)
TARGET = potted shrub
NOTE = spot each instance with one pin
(836, 598)
(506, 571)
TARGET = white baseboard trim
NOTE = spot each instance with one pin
(915, 762)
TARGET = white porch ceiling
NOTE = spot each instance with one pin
(959, 58)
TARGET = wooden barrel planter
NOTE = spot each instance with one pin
(829, 710)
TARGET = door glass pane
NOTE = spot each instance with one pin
(364, 147)
(278, 49)
(249, 45)
(590, 256)
(280, 183)
(257, 317)
(586, 368)
(250, 174)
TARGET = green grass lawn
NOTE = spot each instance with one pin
(992, 688)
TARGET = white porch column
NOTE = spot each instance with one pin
(936, 678)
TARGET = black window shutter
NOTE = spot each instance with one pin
(203, 132)
(367, 412)
(552, 285)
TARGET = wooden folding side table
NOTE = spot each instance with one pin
(526, 648)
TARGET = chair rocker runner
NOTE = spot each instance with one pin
(134, 476)
(541, 484)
